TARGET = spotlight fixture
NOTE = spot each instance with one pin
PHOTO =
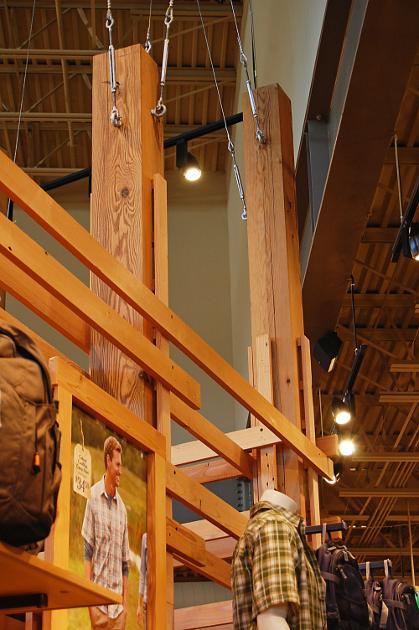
(347, 447)
(326, 350)
(407, 239)
(187, 162)
(341, 411)
(414, 241)
(356, 366)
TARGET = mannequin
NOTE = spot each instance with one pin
(275, 618)
(275, 578)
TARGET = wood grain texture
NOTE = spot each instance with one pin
(103, 406)
(211, 435)
(204, 502)
(21, 571)
(161, 289)
(57, 545)
(3, 210)
(124, 161)
(156, 541)
(30, 293)
(266, 457)
(312, 476)
(207, 530)
(43, 209)
(208, 615)
(184, 543)
(247, 439)
(213, 470)
(45, 270)
(274, 270)
(215, 569)
(329, 444)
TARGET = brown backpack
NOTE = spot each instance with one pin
(400, 600)
(30, 473)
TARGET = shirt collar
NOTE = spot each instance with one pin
(102, 489)
(294, 518)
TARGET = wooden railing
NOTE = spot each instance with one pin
(46, 272)
(51, 291)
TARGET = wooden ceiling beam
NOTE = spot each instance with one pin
(379, 235)
(398, 493)
(47, 116)
(383, 334)
(49, 172)
(395, 518)
(406, 155)
(405, 366)
(399, 397)
(174, 74)
(386, 457)
(383, 552)
(185, 10)
(380, 300)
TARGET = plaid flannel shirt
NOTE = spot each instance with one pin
(105, 529)
(273, 565)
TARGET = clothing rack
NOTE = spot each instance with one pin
(377, 564)
(330, 527)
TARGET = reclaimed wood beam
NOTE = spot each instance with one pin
(218, 615)
(118, 417)
(247, 439)
(398, 493)
(43, 209)
(184, 543)
(397, 398)
(204, 502)
(58, 281)
(211, 435)
(405, 366)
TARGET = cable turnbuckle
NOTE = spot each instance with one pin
(115, 116)
(160, 109)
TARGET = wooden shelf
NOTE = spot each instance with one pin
(23, 575)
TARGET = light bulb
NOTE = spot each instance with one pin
(192, 173)
(341, 411)
(342, 416)
(347, 447)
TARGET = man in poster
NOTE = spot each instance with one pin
(105, 534)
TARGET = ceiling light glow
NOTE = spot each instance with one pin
(347, 447)
(192, 173)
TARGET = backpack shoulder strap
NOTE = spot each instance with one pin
(26, 347)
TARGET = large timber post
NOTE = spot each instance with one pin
(274, 269)
(125, 164)
(3, 209)
(124, 161)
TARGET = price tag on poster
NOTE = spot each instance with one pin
(82, 471)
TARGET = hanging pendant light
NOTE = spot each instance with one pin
(347, 447)
(341, 411)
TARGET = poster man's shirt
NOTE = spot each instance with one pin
(273, 565)
(105, 530)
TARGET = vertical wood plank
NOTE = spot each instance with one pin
(57, 545)
(124, 161)
(266, 463)
(275, 288)
(161, 288)
(312, 476)
(3, 209)
(156, 534)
